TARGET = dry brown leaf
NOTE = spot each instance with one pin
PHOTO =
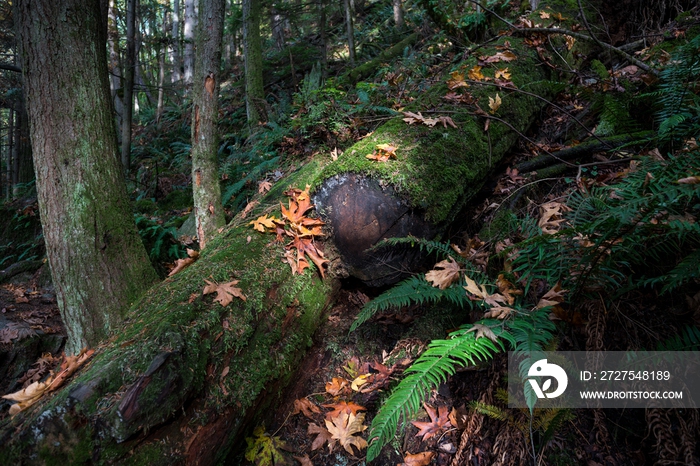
(551, 217)
(418, 459)
(343, 429)
(304, 460)
(483, 331)
(225, 292)
(507, 289)
(553, 297)
(27, 396)
(438, 421)
(458, 417)
(69, 365)
(305, 407)
(506, 56)
(264, 186)
(498, 312)
(181, 264)
(689, 180)
(444, 273)
(322, 436)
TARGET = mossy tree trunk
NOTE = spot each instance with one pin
(98, 262)
(208, 210)
(186, 379)
(128, 83)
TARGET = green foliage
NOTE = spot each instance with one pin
(687, 340)
(265, 450)
(160, 242)
(679, 114)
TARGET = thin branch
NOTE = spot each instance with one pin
(8, 67)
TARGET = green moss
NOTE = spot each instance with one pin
(438, 168)
(177, 199)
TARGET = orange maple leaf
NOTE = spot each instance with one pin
(305, 407)
(343, 407)
(336, 386)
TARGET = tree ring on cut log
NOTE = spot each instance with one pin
(361, 212)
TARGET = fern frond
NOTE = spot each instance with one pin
(489, 410)
(414, 289)
(432, 368)
(687, 340)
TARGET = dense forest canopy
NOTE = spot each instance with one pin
(278, 232)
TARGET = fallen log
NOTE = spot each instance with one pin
(185, 378)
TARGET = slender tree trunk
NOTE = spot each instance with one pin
(350, 30)
(98, 263)
(208, 210)
(398, 14)
(10, 154)
(324, 38)
(252, 54)
(277, 27)
(176, 53)
(115, 72)
(129, 72)
(162, 51)
(190, 24)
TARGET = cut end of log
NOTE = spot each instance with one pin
(361, 213)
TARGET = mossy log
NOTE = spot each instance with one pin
(186, 379)
(366, 69)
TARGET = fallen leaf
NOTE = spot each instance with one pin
(475, 74)
(359, 381)
(438, 421)
(458, 417)
(263, 222)
(305, 407)
(507, 289)
(343, 407)
(225, 292)
(553, 297)
(264, 186)
(304, 460)
(27, 396)
(503, 74)
(181, 264)
(264, 450)
(456, 81)
(418, 459)
(494, 104)
(551, 217)
(483, 331)
(506, 56)
(343, 429)
(322, 436)
(69, 366)
(689, 180)
(544, 15)
(336, 386)
(444, 273)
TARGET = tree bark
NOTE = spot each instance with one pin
(398, 14)
(208, 209)
(190, 25)
(98, 263)
(115, 69)
(252, 53)
(186, 378)
(350, 31)
(129, 73)
(175, 43)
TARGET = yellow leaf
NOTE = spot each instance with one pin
(503, 74)
(544, 15)
(475, 74)
(263, 222)
(494, 104)
(456, 80)
(359, 381)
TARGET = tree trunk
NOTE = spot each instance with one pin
(398, 14)
(252, 54)
(98, 263)
(208, 210)
(129, 72)
(350, 31)
(324, 38)
(175, 43)
(190, 25)
(9, 165)
(187, 378)
(162, 52)
(115, 69)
